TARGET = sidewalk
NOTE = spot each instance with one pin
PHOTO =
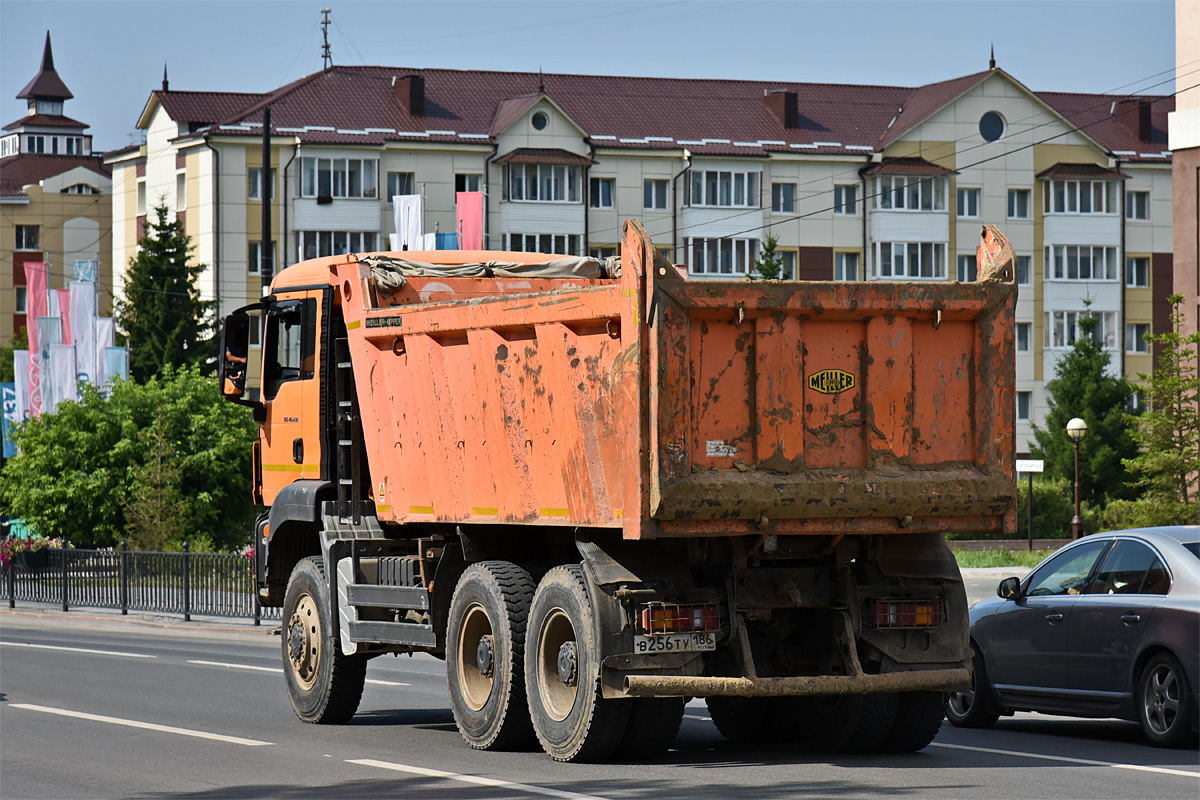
(30, 608)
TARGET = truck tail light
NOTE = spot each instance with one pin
(679, 618)
(908, 614)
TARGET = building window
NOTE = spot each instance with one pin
(27, 237)
(54, 107)
(74, 145)
(467, 182)
(22, 300)
(562, 243)
(601, 253)
(1081, 263)
(180, 191)
(1137, 205)
(654, 194)
(1137, 402)
(787, 266)
(600, 192)
(1024, 270)
(1024, 336)
(254, 184)
(1137, 272)
(845, 266)
(783, 197)
(968, 203)
(1135, 337)
(1018, 203)
(991, 126)
(1081, 197)
(338, 177)
(722, 256)
(543, 183)
(1024, 406)
(968, 269)
(845, 199)
(313, 244)
(910, 260)
(141, 197)
(1063, 330)
(80, 188)
(910, 193)
(540, 121)
(35, 144)
(723, 188)
(399, 183)
(254, 258)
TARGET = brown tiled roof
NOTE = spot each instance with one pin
(204, 107)
(46, 83)
(1086, 171)
(46, 121)
(926, 100)
(906, 166)
(539, 155)
(21, 170)
(509, 110)
(1100, 117)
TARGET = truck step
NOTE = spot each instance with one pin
(393, 633)
(369, 594)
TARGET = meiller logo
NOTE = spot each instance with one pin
(831, 381)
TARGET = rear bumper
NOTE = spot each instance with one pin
(935, 680)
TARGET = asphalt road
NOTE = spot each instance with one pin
(95, 708)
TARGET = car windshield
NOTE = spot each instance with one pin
(1193, 548)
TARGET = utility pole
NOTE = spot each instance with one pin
(326, 55)
(266, 191)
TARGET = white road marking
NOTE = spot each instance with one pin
(77, 650)
(278, 670)
(473, 779)
(1069, 760)
(150, 726)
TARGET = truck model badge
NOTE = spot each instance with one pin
(831, 381)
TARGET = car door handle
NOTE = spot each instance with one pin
(1131, 619)
(298, 450)
(1053, 618)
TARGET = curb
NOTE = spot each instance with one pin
(194, 625)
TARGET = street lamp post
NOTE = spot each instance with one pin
(1076, 430)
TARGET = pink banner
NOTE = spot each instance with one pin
(64, 311)
(36, 306)
(470, 220)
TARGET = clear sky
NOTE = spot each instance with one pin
(111, 54)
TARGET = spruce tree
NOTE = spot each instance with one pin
(769, 263)
(164, 320)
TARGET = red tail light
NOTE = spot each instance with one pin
(910, 614)
(676, 618)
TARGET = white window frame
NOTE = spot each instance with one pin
(51, 107)
(1024, 414)
(400, 180)
(1024, 337)
(783, 198)
(340, 174)
(930, 256)
(35, 144)
(845, 199)
(1062, 329)
(967, 202)
(22, 238)
(1137, 205)
(471, 181)
(715, 256)
(328, 243)
(1079, 197)
(654, 194)
(563, 243)
(254, 262)
(1061, 260)
(1135, 342)
(1015, 197)
(181, 191)
(141, 197)
(724, 189)
(846, 266)
(967, 269)
(22, 306)
(560, 181)
(601, 252)
(1025, 269)
(254, 184)
(1137, 272)
(602, 192)
(790, 259)
(911, 193)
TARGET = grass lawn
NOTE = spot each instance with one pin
(999, 558)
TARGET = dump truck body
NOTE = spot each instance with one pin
(742, 486)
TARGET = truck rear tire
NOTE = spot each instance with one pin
(919, 717)
(653, 724)
(485, 655)
(853, 723)
(324, 684)
(572, 719)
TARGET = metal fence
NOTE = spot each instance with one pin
(208, 584)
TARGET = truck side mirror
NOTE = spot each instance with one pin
(1009, 588)
(235, 348)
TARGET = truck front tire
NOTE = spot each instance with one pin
(324, 684)
(485, 655)
(572, 720)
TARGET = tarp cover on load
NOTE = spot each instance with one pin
(389, 273)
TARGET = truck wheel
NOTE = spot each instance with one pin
(1164, 703)
(485, 655)
(324, 684)
(918, 718)
(562, 674)
(973, 708)
(853, 723)
(653, 725)
(742, 719)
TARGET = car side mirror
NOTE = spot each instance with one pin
(232, 364)
(1009, 588)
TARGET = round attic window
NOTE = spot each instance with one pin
(540, 121)
(991, 126)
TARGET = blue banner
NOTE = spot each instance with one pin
(8, 405)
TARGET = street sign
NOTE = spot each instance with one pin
(1030, 465)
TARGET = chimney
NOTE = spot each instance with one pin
(783, 105)
(410, 91)
(1134, 116)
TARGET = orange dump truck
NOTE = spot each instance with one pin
(598, 490)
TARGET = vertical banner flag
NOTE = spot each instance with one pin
(470, 220)
(62, 373)
(49, 334)
(21, 370)
(8, 417)
(64, 313)
(410, 215)
(116, 361)
(36, 306)
(83, 334)
(86, 270)
(104, 340)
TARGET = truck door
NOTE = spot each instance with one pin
(290, 438)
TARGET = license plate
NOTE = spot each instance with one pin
(675, 643)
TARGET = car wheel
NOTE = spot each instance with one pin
(1164, 702)
(973, 708)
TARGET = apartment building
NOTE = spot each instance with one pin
(854, 182)
(55, 204)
